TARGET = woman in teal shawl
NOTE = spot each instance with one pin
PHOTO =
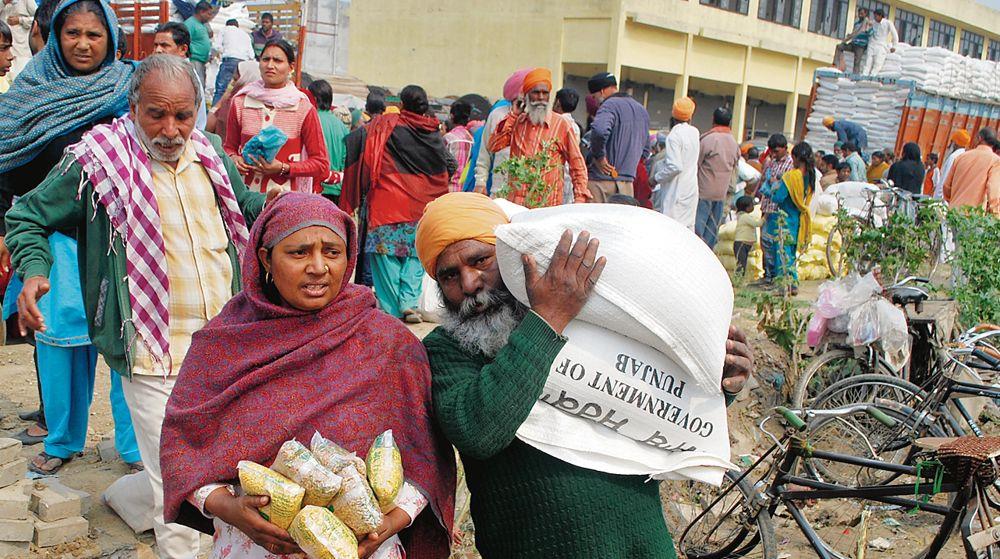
(73, 83)
(789, 226)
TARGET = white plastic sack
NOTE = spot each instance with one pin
(662, 285)
(430, 303)
(637, 388)
(615, 405)
(131, 497)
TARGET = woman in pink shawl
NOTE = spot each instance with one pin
(302, 350)
(274, 100)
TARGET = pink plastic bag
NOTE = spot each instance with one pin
(816, 330)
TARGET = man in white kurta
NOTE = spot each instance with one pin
(883, 41)
(18, 15)
(676, 175)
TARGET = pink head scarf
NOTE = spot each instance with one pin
(512, 87)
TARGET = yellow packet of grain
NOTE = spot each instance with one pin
(322, 535)
(295, 462)
(385, 469)
(356, 505)
(334, 456)
(286, 496)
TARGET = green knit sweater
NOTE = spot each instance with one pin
(525, 503)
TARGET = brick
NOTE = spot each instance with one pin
(65, 490)
(15, 550)
(16, 530)
(48, 534)
(13, 472)
(50, 504)
(10, 450)
(14, 501)
(107, 451)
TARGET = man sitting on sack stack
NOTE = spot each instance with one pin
(490, 360)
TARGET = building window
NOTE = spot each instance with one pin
(941, 35)
(910, 27)
(828, 17)
(873, 5)
(785, 12)
(738, 6)
(994, 52)
(971, 45)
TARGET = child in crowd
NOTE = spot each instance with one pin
(843, 172)
(748, 220)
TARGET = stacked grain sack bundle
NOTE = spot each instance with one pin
(724, 251)
(943, 72)
(876, 106)
(636, 390)
(812, 264)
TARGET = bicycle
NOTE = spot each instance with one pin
(884, 205)
(938, 408)
(942, 485)
(837, 359)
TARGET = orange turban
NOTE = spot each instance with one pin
(745, 148)
(828, 121)
(683, 109)
(961, 138)
(454, 217)
(535, 77)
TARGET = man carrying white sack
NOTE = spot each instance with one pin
(489, 362)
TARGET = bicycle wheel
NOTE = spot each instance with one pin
(737, 526)
(860, 435)
(829, 368)
(867, 388)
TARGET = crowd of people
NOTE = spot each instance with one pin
(143, 228)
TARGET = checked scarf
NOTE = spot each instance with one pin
(119, 169)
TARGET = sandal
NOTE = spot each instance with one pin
(135, 467)
(28, 439)
(46, 460)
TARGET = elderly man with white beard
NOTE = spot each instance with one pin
(528, 129)
(162, 217)
(489, 362)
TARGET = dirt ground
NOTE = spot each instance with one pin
(110, 537)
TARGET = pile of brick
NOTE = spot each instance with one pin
(43, 512)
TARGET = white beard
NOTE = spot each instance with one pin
(151, 145)
(488, 331)
(537, 112)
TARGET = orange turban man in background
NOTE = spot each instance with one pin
(959, 142)
(530, 127)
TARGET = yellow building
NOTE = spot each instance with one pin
(756, 55)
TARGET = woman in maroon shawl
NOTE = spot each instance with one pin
(302, 350)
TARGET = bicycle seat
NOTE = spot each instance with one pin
(906, 294)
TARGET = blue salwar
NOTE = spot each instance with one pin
(783, 241)
(67, 361)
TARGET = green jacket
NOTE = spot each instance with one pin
(53, 206)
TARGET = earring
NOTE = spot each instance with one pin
(267, 277)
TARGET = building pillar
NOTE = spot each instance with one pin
(683, 80)
(740, 99)
(614, 44)
(792, 103)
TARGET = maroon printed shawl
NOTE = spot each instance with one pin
(260, 374)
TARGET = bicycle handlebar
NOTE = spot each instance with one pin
(793, 420)
(792, 416)
(993, 362)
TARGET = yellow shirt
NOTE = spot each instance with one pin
(877, 172)
(747, 224)
(199, 270)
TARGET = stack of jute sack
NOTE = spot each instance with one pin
(636, 390)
